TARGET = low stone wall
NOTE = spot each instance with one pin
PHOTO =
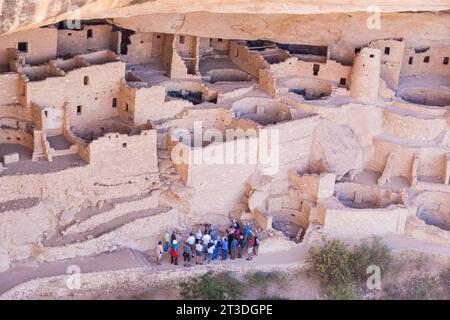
(405, 126)
(341, 221)
(100, 284)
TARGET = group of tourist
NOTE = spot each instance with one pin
(209, 245)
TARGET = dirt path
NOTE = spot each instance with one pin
(128, 258)
(117, 260)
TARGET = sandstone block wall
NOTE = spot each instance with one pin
(42, 43)
(414, 61)
(392, 53)
(123, 155)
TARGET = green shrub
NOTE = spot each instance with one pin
(366, 254)
(332, 263)
(211, 286)
(340, 292)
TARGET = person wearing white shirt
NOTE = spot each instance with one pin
(191, 243)
(206, 239)
(199, 235)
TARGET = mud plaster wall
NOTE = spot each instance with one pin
(9, 88)
(392, 53)
(124, 155)
(95, 98)
(144, 47)
(295, 138)
(72, 42)
(403, 126)
(42, 44)
(246, 60)
(432, 159)
(330, 70)
(418, 65)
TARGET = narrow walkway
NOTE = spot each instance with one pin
(129, 258)
(110, 261)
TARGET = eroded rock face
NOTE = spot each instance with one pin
(5, 261)
(20, 14)
(335, 149)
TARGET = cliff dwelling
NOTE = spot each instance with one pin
(345, 133)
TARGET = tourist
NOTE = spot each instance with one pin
(174, 253)
(234, 243)
(209, 252)
(207, 227)
(206, 240)
(166, 241)
(191, 243)
(224, 248)
(198, 235)
(240, 246)
(235, 224)
(250, 247)
(199, 252)
(237, 233)
(217, 245)
(187, 255)
(256, 246)
(173, 237)
(247, 230)
(230, 239)
(159, 252)
(213, 234)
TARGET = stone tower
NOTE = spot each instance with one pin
(365, 75)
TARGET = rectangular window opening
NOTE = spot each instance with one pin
(426, 59)
(387, 50)
(411, 60)
(90, 33)
(79, 110)
(22, 46)
(445, 61)
(181, 39)
(114, 103)
(86, 80)
(316, 69)
(343, 82)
